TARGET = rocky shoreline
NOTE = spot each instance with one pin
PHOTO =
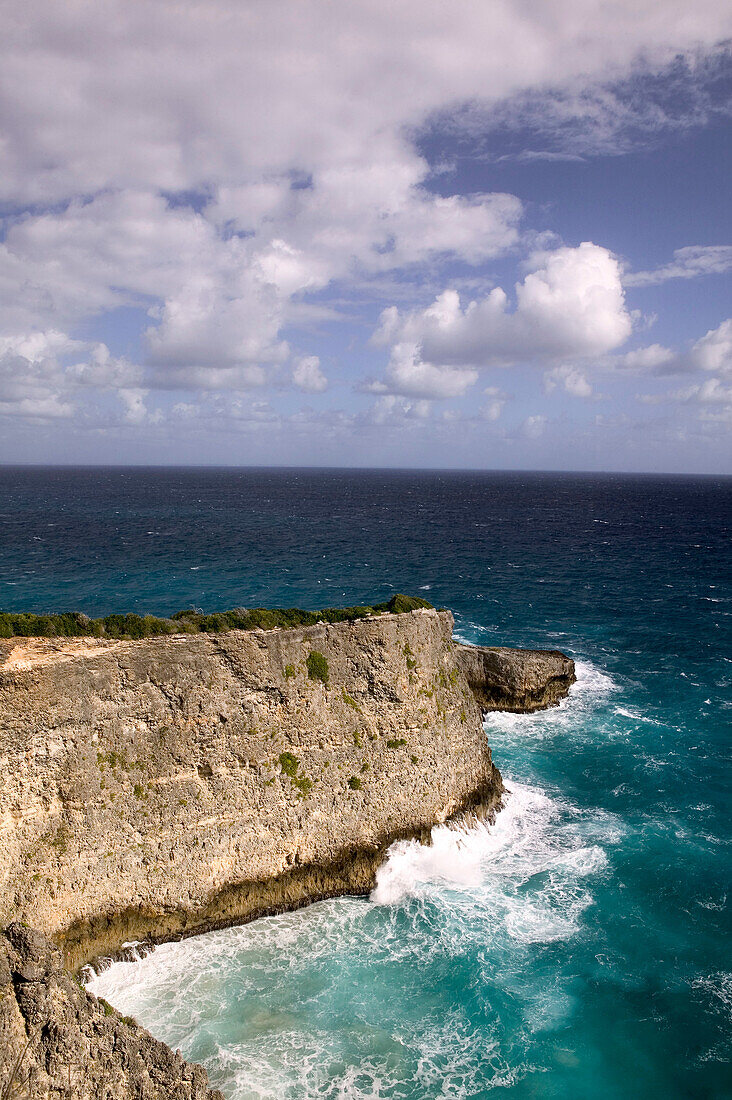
(159, 788)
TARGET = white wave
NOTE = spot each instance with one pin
(586, 698)
(522, 876)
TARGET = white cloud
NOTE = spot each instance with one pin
(533, 427)
(494, 407)
(571, 379)
(392, 409)
(571, 305)
(663, 93)
(44, 375)
(648, 358)
(152, 95)
(713, 352)
(210, 165)
(308, 376)
(136, 411)
(410, 375)
(688, 263)
(711, 400)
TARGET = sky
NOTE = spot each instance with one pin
(485, 235)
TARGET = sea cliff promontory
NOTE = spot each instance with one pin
(164, 786)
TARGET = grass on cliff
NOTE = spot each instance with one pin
(73, 624)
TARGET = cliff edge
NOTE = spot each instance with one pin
(57, 1040)
(519, 680)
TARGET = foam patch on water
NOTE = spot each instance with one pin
(587, 697)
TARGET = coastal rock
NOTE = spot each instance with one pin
(519, 680)
(58, 1042)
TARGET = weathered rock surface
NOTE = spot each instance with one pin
(58, 1042)
(520, 680)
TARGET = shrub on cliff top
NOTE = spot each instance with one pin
(72, 624)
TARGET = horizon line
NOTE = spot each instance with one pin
(354, 469)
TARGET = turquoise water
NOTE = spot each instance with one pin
(577, 948)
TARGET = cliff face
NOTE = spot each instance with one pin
(157, 787)
(58, 1041)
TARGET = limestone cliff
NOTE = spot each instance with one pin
(520, 680)
(156, 787)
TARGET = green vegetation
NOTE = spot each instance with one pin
(289, 671)
(317, 667)
(289, 764)
(111, 758)
(73, 624)
(395, 742)
(350, 701)
(303, 784)
(354, 783)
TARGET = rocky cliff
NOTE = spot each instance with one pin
(161, 787)
(519, 680)
(57, 1040)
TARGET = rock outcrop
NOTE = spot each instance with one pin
(520, 680)
(58, 1041)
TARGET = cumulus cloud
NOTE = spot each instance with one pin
(533, 426)
(570, 305)
(209, 167)
(647, 358)
(493, 408)
(308, 376)
(45, 375)
(713, 352)
(152, 95)
(392, 409)
(572, 380)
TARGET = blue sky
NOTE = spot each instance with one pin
(489, 236)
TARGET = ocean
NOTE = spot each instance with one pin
(579, 947)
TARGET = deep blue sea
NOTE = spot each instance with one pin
(577, 949)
